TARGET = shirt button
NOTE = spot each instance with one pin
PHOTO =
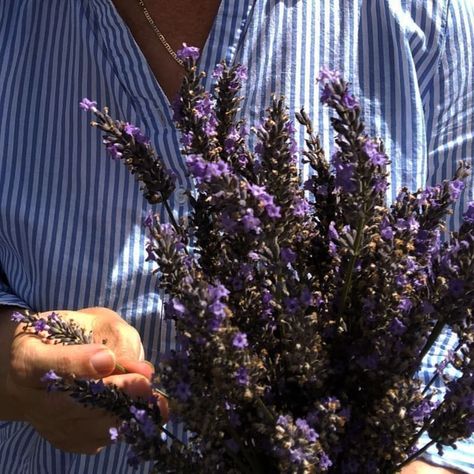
(181, 195)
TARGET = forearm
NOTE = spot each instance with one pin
(9, 406)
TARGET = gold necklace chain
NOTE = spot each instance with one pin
(159, 34)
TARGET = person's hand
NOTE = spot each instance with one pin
(421, 467)
(62, 421)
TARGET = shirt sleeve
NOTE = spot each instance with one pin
(448, 99)
(8, 297)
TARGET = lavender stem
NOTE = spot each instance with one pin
(350, 268)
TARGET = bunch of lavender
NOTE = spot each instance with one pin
(301, 321)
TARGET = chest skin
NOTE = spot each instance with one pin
(180, 21)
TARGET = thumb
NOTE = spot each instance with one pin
(92, 361)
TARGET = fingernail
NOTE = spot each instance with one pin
(103, 362)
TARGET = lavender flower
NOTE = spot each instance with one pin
(88, 105)
(324, 462)
(239, 341)
(469, 214)
(326, 74)
(250, 222)
(455, 188)
(288, 255)
(188, 53)
(50, 377)
(40, 326)
(397, 327)
(136, 133)
(204, 171)
(423, 411)
(18, 317)
(242, 376)
(114, 434)
(376, 158)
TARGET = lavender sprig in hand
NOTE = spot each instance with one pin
(54, 328)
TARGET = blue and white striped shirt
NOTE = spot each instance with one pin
(71, 233)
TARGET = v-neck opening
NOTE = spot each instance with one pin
(215, 22)
(131, 65)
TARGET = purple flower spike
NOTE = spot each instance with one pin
(273, 211)
(50, 377)
(387, 233)
(241, 73)
(203, 107)
(324, 462)
(469, 214)
(297, 456)
(41, 325)
(86, 105)
(136, 133)
(283, 421)
(423, 411)
(373, 153)
(397, 328)
(242, 376)
(455, 188)
(405, 305)
(326, 74)
(204, 171)
(114, 151)
(218, 71)
(239, 341)
(250, 222)
(332, 231)
(287, 255)
(18, 317)
(349, 101)
(54, 318)
(148, 221)
(178, 306)
(188, 53)
(187, 139)
(114, 434)
(301, 207)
